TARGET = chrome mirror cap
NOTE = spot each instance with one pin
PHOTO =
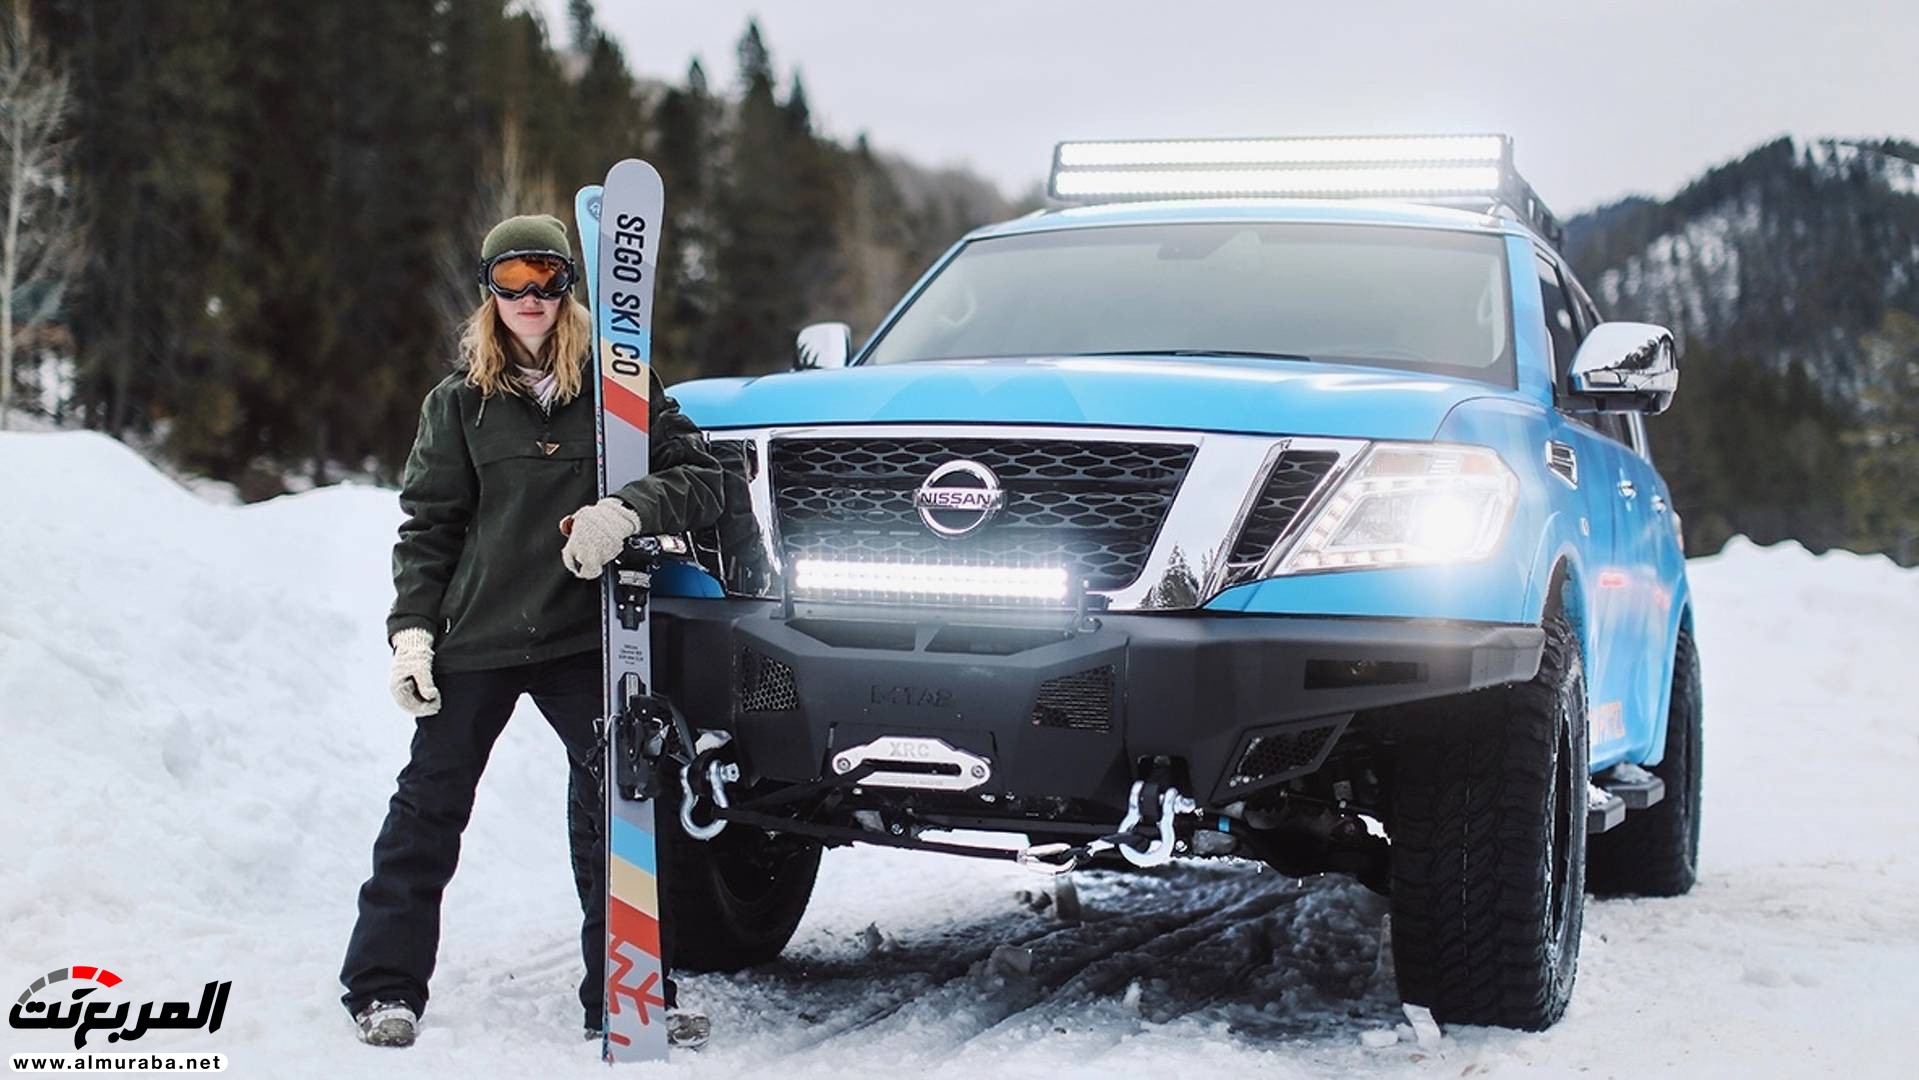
(1625, 366)
(823, 345)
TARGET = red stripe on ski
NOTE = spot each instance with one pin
(630, 925)
(624, 403)
(644, 998)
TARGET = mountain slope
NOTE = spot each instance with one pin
(1786, 275)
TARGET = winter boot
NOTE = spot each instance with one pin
(684, 1030)
(687, 1030)
(387, 1023)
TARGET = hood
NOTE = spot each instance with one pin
(1235, 395)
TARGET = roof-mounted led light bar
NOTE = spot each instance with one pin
(1471, 170)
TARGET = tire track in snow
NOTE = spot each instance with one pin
(1256, 950)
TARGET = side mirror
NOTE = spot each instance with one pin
(1625, 367)
(823, 345)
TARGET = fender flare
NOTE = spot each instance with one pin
(1557, 570)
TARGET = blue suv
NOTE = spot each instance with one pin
(1280, 499)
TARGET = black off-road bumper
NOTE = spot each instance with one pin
(1240, 701)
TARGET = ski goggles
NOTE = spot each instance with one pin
(512, 274)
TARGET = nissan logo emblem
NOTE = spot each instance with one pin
(959, 497)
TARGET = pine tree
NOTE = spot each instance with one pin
(756, 226)
(686, 123)
(1886, 445)
(583, 29)
(286, 200)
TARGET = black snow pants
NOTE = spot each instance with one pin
(391, 953)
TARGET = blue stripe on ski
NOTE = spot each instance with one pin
(585, 209)
(634, 844)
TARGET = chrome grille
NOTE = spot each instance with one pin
(1095, 507)
(733, 548)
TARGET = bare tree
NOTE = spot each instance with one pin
(40, 238)
(508, 184)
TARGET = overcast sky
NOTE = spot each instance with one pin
(1602, 97)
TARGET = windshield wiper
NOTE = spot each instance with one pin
(1250, 354)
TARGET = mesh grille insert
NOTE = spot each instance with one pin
(1283, 754)
(1295, 476)
(1082, 701)
(1094, 507)
(764, 684)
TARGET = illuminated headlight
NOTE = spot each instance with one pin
(898, 582)
(1410, 504)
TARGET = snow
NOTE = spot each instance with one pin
(199, 748)
(1838, 156)
(1692, 278)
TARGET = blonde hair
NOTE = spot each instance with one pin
(484, 347)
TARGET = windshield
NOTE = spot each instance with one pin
(1416, 299)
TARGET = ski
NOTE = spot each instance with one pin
(619, 225)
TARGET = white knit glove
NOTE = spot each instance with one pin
(412, 677)
(595, 534)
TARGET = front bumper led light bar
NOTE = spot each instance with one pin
(1410, 504)
(1448, 169)
(927, 583)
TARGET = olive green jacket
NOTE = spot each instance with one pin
(478, 559)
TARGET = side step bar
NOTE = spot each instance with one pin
(1617, 790)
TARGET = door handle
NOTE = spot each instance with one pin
(1627, 490)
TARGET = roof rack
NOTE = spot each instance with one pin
(1467, 171)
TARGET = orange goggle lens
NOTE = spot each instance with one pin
(514, 275)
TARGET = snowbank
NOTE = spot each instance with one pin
(198, 748)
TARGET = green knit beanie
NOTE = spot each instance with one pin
(528, 232)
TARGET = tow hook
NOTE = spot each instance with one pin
(716, 774)
(1160, 851)
(1163, 802)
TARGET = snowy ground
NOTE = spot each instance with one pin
(198, 747)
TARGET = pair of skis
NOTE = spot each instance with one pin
(620, 224)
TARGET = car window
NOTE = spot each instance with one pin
(1427, 300)
(1559, 320)
(1583, 305)
(1611, 424)
(1569, 317)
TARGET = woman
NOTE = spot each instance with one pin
(496, 574)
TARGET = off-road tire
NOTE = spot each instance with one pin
(734, 901)
(1655, 851)
(1488, 835)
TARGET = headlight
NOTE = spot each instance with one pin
(1410, 504)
